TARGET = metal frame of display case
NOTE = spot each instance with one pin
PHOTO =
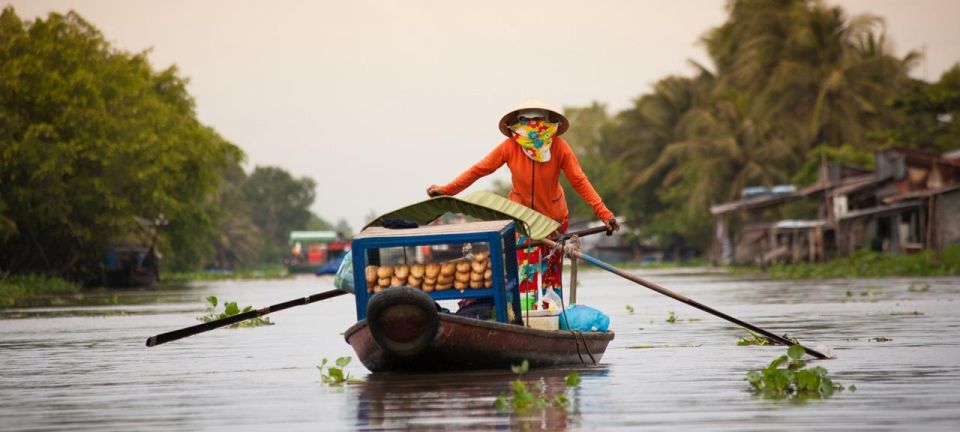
(499, 235)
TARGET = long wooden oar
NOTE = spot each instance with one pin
(682, 298)
(207, 326)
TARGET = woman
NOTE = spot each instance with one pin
(535, 155)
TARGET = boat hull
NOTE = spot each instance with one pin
(469, 344)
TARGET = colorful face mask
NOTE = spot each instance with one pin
(535, 137)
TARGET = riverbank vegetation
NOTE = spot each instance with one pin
(866, 264)
(95, 143)
(21, 287)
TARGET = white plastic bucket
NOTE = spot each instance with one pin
(542, 319)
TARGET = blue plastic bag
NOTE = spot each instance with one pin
(344, 278)
(584, 318)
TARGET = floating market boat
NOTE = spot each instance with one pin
(400, 327)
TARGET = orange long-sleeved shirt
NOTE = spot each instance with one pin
(536, 184)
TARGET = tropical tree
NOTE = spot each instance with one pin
(92, 138)
(278, 204)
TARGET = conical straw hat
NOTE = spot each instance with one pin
(511, 117)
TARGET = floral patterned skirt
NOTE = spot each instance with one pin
(531, 265)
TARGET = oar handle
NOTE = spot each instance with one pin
(586, 232)
(207, 326)
(684, 299)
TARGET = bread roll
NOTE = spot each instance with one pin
(447, 269)
(395, 281)
(478, 266)
(431, 270)
(475, 284)
(414, 281)
(462, 277)
(443, 286)
(429, 280)
(480, 256)
(416, 270)
(401, 271)
(445, 280)
(489, 265)
(384, 272)
(429, 287)
(488, 284)
(487, 274)
(371, 274)
(463, 266)
(378, 289)
(460, 285)
(383, 282)
(476, 276)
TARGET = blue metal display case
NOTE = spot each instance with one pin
(498, 235)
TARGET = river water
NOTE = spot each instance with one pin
(83, 365)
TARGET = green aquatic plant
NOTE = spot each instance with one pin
(629, 308)
(880, 339)
(787, 377)
(230, 309)
(671, 318)
(924, 287)
(336, 375)
(522, 398)
(753, 340)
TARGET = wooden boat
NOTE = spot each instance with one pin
(403, 339)
(399, 329)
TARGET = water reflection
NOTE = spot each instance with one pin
(463, 401)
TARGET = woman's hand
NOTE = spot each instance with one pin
(434, 191)
(612, 225)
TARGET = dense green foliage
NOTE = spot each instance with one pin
(278, 204)
(91, 138)
(790, 82)
(15, 288)
(795, 381)
(868, 263)
(94, 143)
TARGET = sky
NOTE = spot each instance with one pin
(377, 100)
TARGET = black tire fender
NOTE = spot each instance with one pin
(412, 302)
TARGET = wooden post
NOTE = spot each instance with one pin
(575, 243)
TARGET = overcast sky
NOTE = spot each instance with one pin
(376, 100)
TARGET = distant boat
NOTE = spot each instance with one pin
(318, 252)
(134, 262)
(131, 267)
